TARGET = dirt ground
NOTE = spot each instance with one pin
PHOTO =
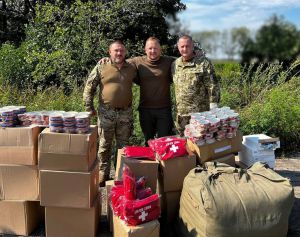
(289, 168)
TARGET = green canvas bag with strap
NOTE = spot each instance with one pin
(223, 201)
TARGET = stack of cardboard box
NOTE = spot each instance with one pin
(20, 211)
(220, 151)
(171, 175)
(258, 147)
(69, 183)
(140, 167)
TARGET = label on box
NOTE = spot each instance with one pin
(221, 149)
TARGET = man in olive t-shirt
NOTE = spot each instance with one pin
(154, 78)
(115, 118)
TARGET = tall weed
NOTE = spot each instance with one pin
(276, 114)
(242, 85)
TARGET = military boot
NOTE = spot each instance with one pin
(102, 178)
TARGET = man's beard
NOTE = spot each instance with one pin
(118, 60)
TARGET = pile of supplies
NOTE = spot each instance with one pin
(211, 126)
(57, 121)
(132, 201)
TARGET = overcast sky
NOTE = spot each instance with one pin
(202, 15)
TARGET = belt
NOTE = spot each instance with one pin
(108, 106)
(118, 109)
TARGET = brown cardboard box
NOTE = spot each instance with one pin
(140, 167)
(19, 217)
(217, 149)
(109, 214)
(19, 145)
(170, 206)
(72, 222)
(149, 229)
(19, 182)
(67, 152)
(69, 189)
(229, 160)
(173, 171)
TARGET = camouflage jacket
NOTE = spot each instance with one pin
(196, 85)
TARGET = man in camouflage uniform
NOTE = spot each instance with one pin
(115, 117)
(196, 86)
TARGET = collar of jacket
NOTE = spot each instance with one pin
(190, 63)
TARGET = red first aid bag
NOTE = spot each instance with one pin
(129, 183)
(137, 212)
(139, 152)
(169, 147)
(117, 200)
(143, 193)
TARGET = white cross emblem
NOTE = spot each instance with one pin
(143, 215)
(174, 148)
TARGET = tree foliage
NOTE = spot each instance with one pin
(227, 42)
(276, 40)
(66, 38)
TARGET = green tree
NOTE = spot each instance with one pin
(209, 40)
(234, 41)
(276, 40)
(66, 38)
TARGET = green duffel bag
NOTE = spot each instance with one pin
(223, 201)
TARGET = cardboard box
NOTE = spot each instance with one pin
(261, 142)
(75, 222)
(173, 171)
(170, 206)
(69, 189)
(19, 217)
(19, 182)
(149, 229)
(249, 155)
(67, 152)
(19, 145)
(229, 160)
(140, 167)
(217, 149)
(109, 213)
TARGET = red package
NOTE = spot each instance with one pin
(143, 193)
(169, 147)
(137, 212)
(141, 183)
(129, 184)
(117, 198)
(139, 152)
(118, 182)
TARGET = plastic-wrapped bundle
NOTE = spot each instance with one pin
(82, 122)
(69, 122)
(209, 126)
(7, 117)
(56, 122)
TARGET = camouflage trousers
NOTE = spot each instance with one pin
(112, 124)
(181, 121)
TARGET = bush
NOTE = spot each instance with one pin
(14, 68)
(50, 99)
(278, 114)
